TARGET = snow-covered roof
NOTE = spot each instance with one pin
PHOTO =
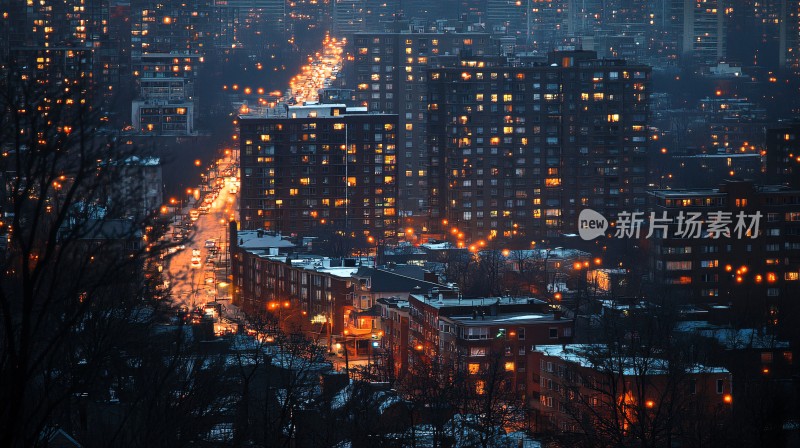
(443, 245)
(260, 239)
(592, 356)
(744, 338)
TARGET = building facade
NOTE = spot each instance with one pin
(574, 380)
(296, 291)
(518, 152)
(783, 155)
(389, 76)
(297, 176)
(758, 260)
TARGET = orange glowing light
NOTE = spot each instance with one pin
(650, 404)
(771, 277)
(727, 398)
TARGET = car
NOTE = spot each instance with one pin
(195, 253)
(194, 215)
(182, 247)
(172, 250)
(210, 243)
(195, 263)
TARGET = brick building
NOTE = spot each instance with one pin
(296, 288)
(575, 388)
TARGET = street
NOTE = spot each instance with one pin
(194, 286)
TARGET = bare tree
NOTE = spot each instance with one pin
(489, 405)
(635, 386)
(73, 301)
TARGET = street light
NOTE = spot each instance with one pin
(546, 261)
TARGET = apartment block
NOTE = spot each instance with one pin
(516, 152)
(389, 76)
(723, 257)
(319, 168)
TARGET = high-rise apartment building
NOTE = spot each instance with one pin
(323, 166)
(518, 152)
(248, 23)
(166, 100)
(168, 44)
(756, 258)
(783, 155)
(789, 34)
(704, 30)
(348, 16)
(389, 76)
(60, 42)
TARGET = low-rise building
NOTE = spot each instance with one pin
(582, 388)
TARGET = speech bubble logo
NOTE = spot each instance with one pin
(591, 224)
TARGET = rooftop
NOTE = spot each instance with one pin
(260, 239)
(444, 302)
(505, 318)
(400, 278)
(309, 110)
(598, 356)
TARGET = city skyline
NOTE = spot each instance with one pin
(347, 223)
